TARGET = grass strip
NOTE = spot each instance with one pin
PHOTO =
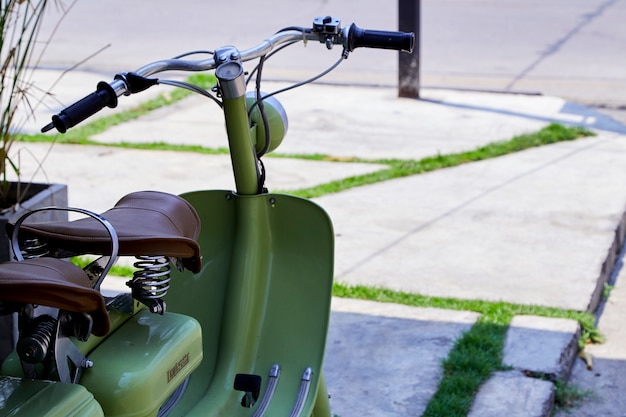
(497, 311)
(472, 360)
(80, 134)
(478, 353)
(398, 168)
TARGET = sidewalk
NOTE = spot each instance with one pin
(535, 227)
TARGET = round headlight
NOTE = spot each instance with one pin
(276, 118)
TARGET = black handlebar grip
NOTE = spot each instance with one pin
(104, 96)
(399, 41)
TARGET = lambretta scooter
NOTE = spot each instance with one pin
(237, 328)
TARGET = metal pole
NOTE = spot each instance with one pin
(409, 64)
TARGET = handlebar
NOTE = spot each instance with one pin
(325, 30)
(104, 96)
(399, 41)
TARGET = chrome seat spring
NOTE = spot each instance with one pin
(151, 281)
(33, 248)
(35, 341)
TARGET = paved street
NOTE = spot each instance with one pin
(564, 48)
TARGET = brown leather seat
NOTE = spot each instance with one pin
(54, 283)
(147, 223)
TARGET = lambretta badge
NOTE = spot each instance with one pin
(178, 367)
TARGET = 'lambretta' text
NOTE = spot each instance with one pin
(178, 367)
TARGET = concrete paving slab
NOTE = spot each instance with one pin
(443, 121)
(512, 394)
(345, 122)
(542, 347)
(384, 359)
(456, 121)
(533, 227)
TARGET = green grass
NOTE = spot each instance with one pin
(116, 270)
(398, 168)
(478, 353)
(498, 311)
(472, 360)
(569, 396)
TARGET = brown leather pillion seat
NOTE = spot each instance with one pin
(54, 283)
(146, 222)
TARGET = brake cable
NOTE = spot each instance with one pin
(189, 86)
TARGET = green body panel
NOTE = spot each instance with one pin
(265, 291)
(321, 408)
(143, 362)
(25, 397)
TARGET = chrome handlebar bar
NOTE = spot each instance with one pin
(208, 64)
(325, 29)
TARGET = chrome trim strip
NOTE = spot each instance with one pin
(303, 393)
(272, 382)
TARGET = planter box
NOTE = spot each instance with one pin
(37, 196)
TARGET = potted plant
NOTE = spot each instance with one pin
(20, 54)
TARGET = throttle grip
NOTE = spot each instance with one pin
(399, 41)
(104, 96)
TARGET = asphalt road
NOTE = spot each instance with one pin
(567, 48)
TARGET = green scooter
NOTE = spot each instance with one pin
(238, 326)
